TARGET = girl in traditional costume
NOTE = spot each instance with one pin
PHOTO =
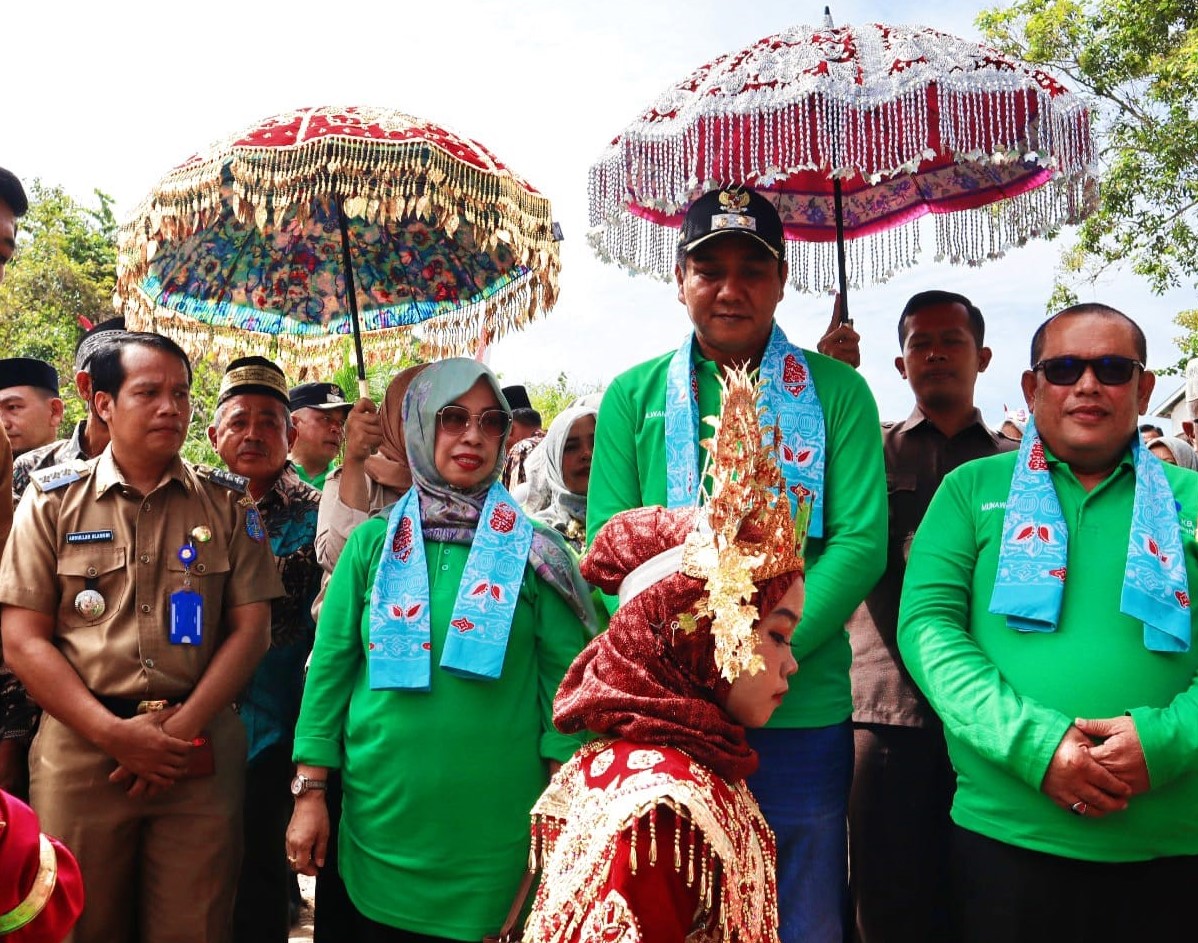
(650, 834)
(447, 626)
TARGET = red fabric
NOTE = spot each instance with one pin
(645, 679)
(658, 895)
(20, 837)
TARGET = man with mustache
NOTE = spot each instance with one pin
(1046, 615)
(135, 598)
(252, 431)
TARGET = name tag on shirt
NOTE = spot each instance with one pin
(90, 537)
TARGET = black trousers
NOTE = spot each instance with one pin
(370, 932)
(900, 835)
(1007, 894)
(260, 915)
(335, 917)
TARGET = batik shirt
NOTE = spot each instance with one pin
(270, 703)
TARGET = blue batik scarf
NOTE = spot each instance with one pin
(400, 620)
(1030, 583)
(790, 399)
(486, 518)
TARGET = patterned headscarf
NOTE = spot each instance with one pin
(389, 467)
(450, 514)
(549, 500)
(645, 678)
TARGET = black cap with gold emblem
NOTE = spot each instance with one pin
(736, 210)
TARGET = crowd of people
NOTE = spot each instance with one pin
(376, 672)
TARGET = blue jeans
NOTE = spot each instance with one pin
(802, 786)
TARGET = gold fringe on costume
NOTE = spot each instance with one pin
(728, 853)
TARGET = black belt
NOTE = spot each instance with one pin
(127, 707)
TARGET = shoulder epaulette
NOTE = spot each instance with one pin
(221, 476)
(59, 476)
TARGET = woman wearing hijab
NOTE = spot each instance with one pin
(365, 482)
(559, 473)
(446, 628)
(650, 833)
(1174, 451)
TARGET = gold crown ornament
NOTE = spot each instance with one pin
(744, 531)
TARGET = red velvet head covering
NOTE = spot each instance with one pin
(645, 679)
(20, 850)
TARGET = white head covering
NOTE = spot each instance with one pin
(1182, 453)
(549, 500)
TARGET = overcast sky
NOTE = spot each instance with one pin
(113, 95)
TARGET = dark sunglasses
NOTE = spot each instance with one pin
(455, 420)
(1109, 371)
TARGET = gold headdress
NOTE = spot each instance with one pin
(745, 533)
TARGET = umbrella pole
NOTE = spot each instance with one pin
(844, 281)
(351, 296)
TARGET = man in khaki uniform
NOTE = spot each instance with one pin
(139, 761)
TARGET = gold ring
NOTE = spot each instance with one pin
(292, 860)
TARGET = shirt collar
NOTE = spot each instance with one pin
(917, 419)
(107, 475)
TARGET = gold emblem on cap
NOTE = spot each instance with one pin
(734, 199)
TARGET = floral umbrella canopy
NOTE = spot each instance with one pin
(901, 120)
(283, 237)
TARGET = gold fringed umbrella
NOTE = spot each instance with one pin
(323, 223)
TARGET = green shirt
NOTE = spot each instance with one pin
(438, 783)
(316, 481)
(628, 470)
(1007, 697)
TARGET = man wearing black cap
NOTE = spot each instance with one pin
(90, 435)
(18, 712)
(252, 431)
(731, 273)
(30, 407)
(318, 411)
(525, 436)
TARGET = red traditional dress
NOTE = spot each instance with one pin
(639, 842)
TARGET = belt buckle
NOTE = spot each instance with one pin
(151, 707)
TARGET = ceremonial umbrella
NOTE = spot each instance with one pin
(852, 131)
(321, 223)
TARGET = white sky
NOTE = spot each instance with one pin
(113, 95)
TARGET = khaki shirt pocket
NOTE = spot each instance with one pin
(91, 566)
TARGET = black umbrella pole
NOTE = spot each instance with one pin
(351, 297)
(840, 263)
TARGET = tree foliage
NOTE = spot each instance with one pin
(550, 398)
(64, 269)
(1136, 63)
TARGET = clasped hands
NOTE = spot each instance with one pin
(152, 751)
(1097, 767)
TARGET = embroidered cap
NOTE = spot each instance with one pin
(318, 396)
(733, 210)
(253, 375)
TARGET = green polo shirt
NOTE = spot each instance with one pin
(1007, 697)
(629, 471)
(316, 481)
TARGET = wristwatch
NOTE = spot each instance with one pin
(303, 784)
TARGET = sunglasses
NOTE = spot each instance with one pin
(1109, 371)
(455, 420)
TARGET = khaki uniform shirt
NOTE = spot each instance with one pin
(100, 533)
(918, 456)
